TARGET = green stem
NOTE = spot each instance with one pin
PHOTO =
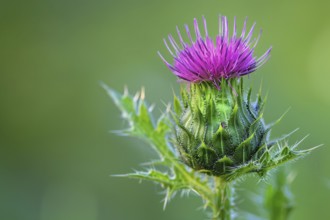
(222, 209)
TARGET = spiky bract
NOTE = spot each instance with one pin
(222, 133)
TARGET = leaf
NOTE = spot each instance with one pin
(281, 154)
(237, 172)
(142, 125)
(172, 184)
(273, 200)
(152, 175)
(278, 199)
(141, 121)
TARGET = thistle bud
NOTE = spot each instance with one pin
(218, 129)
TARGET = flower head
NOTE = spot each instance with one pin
(203, 59)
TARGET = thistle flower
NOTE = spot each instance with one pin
(220, 131)
(211, 61)
(216, 130)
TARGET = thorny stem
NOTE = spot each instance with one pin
(222, 200)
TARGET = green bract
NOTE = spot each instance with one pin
(222, 133)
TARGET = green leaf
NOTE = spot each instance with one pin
(172, 183)
(278, 199)
(142, 125)
(152, 175)
(237, 172)
(141, 121)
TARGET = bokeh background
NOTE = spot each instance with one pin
(56, 152)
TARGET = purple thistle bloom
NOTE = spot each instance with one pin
(206, 60)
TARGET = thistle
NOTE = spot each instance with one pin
(219, 130)
(214, 127)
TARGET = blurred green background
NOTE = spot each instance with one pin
(56, 154)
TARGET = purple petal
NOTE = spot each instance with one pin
(207, 60)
